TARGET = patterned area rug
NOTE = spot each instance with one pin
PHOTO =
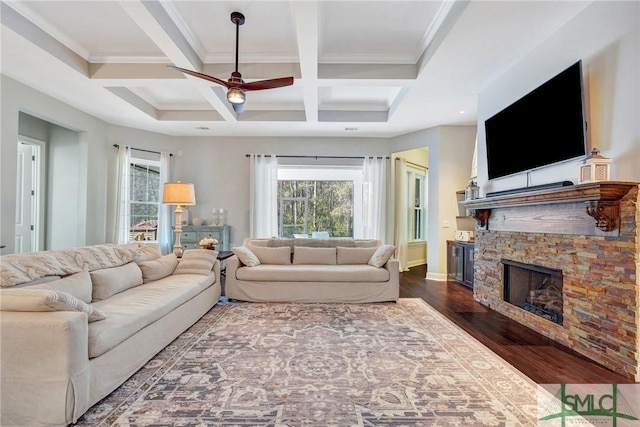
(386, 364)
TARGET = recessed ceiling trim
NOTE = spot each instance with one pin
(189, 116)
(356, 58)
(52, 31)
(34, 34)
(153, 19)
(184, 29)
(128, 59)
(134, 100)
(352, 116)
(367, 71)
(272, 116)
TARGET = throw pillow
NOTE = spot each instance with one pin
(307, 255)
(158, 268)
(279, 256)
(196, 261)
(354, 255)
(110, 281)
(46, 300)
(77, 285)
(245, 256)
(382, 255)
(148, 253)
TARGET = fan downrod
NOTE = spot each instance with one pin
(237, 18)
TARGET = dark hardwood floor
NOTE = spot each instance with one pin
(540, 358)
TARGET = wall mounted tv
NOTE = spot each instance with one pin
(544, 127)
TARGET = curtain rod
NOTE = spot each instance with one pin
(142, 149)
(322, 157)
(414, 164)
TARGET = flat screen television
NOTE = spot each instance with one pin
(544, 127)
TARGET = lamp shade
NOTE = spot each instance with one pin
(178, 193)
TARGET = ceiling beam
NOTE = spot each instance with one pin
(23, 26)
(154, 20)
(305, 18)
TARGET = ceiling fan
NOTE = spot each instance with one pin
(236, 87)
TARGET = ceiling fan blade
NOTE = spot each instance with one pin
(268, 84)
(238, 108)
(206, 77)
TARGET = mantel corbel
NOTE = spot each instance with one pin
(481, 216)
(606, 214)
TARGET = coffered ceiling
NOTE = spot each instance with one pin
(360, 68)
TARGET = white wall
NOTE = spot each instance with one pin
(91, 152)
(219, 169)
(606, 37)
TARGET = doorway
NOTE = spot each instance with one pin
(29, 235)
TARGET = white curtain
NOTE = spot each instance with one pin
(264, 196)
(374, 198)
(122, 196)
(164, 211)
(401, 204)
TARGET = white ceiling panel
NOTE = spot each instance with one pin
(96, 30)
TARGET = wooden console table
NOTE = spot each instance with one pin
(601, 200)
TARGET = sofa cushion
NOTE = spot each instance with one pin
(326, 243)
(354, 255)
(274, 242)
(110, 281)
(131, 310)
(382, 255)
(21, 268)
(148, 253)
(158, 268)
(196, 261)
(245, 256)
(306, 255)
(77, 285)
(313, 273)
(277, 256)
(46, 300)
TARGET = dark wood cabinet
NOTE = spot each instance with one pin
(460, 262)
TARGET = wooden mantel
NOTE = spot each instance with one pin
(601, 199)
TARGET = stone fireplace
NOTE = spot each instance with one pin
(590, 234)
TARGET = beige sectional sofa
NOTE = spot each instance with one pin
(77, 323)
(312, 270)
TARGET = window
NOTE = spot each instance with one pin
(417, 220)
(319, 199)
(144, 198)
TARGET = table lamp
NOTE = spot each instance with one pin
(179, 194)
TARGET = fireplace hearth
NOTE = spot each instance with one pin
(534, 288)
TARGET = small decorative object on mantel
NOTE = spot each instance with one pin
(595, 168)
(208, 243)
(472, 191)
(198, 222)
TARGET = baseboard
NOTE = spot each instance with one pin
(439, 277)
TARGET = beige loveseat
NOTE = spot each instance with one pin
(87, 319)
(312, 270)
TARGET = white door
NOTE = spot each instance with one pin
(25, 198)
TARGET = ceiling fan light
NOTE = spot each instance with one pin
(235, 95)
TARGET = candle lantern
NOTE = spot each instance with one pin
(595, 168)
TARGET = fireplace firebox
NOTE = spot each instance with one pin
(534, 288)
